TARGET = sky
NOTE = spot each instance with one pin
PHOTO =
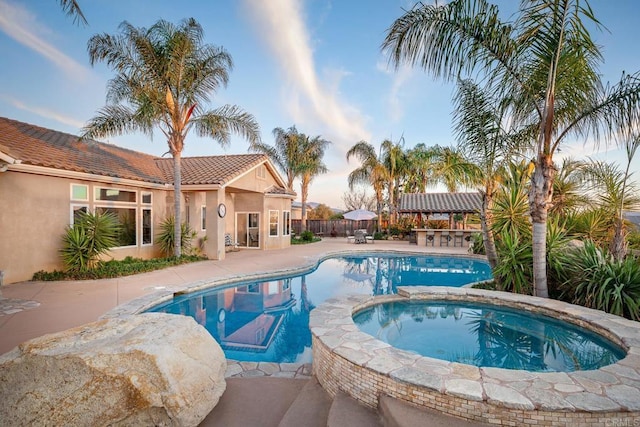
(315, 64)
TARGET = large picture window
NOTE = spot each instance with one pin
(127, 220)
(273, 223)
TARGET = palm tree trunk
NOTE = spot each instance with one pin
(618, 246)
(486, 221)
(177, 229)
(304, 192)
(539, 199)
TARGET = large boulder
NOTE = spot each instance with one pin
(147, 369)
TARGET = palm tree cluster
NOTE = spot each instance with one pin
(525, 86)
(297, 156)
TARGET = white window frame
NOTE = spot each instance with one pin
(73, 210)
(146, 206)
(86, 199)
(112, 204)
(203, 217)
(277, 217)
(286, 223)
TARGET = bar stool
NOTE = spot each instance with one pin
(458, 239)
(431, 237)
(444, 238)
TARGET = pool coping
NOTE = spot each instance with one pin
(610, 392)
(241, 368)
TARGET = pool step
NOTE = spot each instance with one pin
(287, 402)
(310, 409)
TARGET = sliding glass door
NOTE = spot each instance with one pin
(248, 229)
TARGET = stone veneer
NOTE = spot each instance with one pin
(346, 359)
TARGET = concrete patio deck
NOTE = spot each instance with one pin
(31, 309)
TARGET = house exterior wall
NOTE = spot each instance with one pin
(35, 211)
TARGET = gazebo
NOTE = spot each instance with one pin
(440, 205)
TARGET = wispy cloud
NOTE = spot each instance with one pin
(394, 99)
(312, 102)
(44, 112)
(21, 25)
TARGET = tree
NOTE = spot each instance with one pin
(355, 199)
(284, 153)
(311, 154)
(72, 8)
(614, 193)
(371, 171)
(321, 211)
(165, 76)
(544, 63)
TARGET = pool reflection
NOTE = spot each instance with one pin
(269, 321)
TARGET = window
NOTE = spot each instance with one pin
(146, 198)
(127, 219)
(286, 223)
(203, 213)
(114, 195)
(187, 214)
(273, 223)
(79, 192)
(261, 172)
(75, 212)
(249, 289)
(147, 227)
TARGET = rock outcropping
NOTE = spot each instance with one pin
(147, 369)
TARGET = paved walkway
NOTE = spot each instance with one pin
(32, 309)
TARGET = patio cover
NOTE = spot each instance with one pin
(436, 203)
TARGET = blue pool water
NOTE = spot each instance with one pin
(487, 335)
(268, 321)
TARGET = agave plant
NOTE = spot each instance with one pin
(91, 235)
(166, 239)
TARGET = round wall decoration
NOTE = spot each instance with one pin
(222, 210)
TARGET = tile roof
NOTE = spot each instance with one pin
(440, 202)
(211, 169)
(34, 145)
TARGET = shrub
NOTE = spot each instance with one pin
(91, 235)
(165, 238)
(306, 236)
(378, 235)
(594, 279)
(514, 271)
(478, 244)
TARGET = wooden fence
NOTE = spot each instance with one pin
(335, 227)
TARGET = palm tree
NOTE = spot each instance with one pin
(72, 8)
(544, 63)
(615, 193)
(165, 76)
(371, 171)
(394, 160)
(311, 165)
(483, 137)
(284, 153)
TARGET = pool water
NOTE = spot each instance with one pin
(488, 336)
(268, 321)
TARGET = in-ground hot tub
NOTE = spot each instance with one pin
(357, 363)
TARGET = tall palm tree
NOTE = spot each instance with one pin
(311, 165)
(371, 171)
(284, 153)
(545, 62)
(165, 76)
(484, 138)
(394, 160)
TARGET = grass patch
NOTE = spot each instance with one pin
(300, 241)
(120, 268)
(488, 285)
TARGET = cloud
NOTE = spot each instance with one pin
(400, 77)
(43, 112)
(312, 102)
(18, 23)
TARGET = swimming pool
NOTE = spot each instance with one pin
(268, 321)
(487, 336)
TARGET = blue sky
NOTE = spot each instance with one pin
(315, 64)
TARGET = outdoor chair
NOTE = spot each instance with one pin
(444, 238)
(367, 237)
(359, 237)
(458, 239)
(431, 237)
(229, 244)
(350, 238)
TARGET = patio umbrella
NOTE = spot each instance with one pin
(360, 215)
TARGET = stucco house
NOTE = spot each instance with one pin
(45, 176)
